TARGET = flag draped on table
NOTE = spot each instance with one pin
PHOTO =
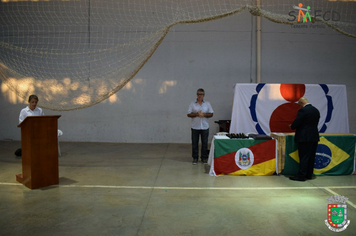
(244, 157)
(335, 155)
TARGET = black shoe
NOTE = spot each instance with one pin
(296, 178)
(204, 161)
(195, 161)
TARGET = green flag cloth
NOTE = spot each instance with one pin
(335, 155)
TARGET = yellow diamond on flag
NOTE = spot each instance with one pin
(295, 155)
(328, 156)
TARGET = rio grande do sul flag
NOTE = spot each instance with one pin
(335, 155)
(244, 157)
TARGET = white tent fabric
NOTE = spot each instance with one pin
(254, 105)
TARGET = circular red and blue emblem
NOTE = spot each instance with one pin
(279, 103)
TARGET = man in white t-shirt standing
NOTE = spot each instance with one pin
(200, 110)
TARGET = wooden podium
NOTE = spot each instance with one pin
(39, 144)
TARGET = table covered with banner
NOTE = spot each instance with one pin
(335, 154)
(242, 156)
(264, 109)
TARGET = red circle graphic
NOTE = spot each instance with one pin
(292, 92)
(282, 117)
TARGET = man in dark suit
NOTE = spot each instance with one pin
(307, 137)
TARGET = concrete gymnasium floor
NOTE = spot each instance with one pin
(153, 189)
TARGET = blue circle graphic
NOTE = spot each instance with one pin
(323, 156)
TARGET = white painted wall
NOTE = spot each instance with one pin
(213, 55)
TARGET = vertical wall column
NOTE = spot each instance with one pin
(258, 45)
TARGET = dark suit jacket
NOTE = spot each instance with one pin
(306, 124)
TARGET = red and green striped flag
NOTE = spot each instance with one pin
(335, 155)
(244, 157)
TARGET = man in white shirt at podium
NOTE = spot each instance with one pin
(31, 109)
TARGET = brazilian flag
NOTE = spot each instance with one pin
(335, 155)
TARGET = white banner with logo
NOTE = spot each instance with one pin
(265, 108)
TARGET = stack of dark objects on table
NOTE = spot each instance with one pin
(235, 136)
(259, 136)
